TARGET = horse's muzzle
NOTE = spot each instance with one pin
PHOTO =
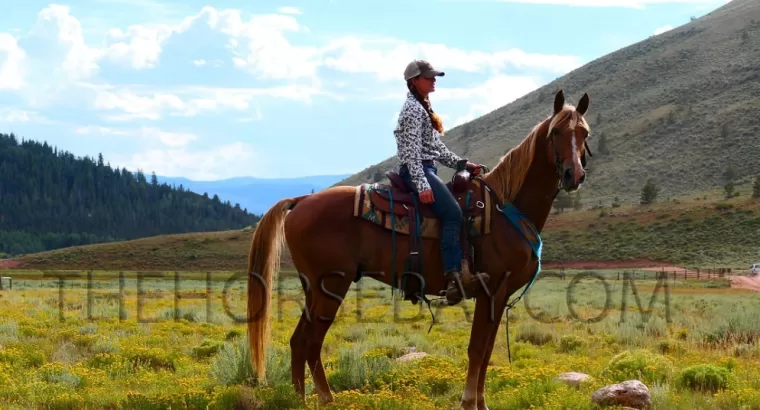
(573, 177)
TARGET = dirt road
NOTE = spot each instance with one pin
(745, 282)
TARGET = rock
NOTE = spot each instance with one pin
(411, 356)
(572, 378)
(630, 393)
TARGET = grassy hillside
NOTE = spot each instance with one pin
(697, 231)
(680, 108)
(214, 251)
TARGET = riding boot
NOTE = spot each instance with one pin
(463, 284)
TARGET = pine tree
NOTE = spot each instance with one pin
(756, 188)
(649, 192)
(729, 189)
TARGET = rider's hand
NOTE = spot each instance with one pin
(426, 197)
(473, 168)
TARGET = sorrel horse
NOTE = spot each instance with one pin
(331, 247)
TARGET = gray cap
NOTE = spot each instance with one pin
(421, 67)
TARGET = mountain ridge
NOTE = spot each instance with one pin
(678, 108)
(256, 194)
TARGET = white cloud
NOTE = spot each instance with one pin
(197, 66)
(634, 4)
(496, 92)
(662, 29)
(56, 49)
(60, 60)
(289, 10)
(8, 115)
(221, 161)
(145, 134)
(386, 58)
(139, 47)
(145, 103)
(11, 57)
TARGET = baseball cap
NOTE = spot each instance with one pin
(421, 67)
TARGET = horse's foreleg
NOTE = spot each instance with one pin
(499, 304)
(488, 309)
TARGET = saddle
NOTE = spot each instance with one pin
(395, 198)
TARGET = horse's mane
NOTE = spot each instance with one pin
(509, 174)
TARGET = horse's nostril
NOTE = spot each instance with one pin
(568, 176)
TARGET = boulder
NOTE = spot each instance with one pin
(411, 356)
(572, 378)
(630, 393)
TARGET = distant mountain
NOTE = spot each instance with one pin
(679, 108)
(256, 194)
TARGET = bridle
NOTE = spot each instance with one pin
(553, 132)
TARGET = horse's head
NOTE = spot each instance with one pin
(567, 135)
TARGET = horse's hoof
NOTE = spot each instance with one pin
(469, 405)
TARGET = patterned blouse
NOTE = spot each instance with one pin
(417, 140)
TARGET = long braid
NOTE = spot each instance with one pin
(434, 118)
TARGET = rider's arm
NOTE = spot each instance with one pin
(409, 142)
(446, 157)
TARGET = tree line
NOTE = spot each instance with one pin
(51, 199)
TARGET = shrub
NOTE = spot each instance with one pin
(232, 363)
(704, 377)
(569, 343)
(533, 335)
(353, 370)
(639, 364)
(207, 348)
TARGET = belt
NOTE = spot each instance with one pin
(425, 162)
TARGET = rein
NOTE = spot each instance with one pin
(500, 206)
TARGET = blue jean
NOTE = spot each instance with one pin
(447, 210)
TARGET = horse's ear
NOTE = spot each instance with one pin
(583, 104)
(559, 101)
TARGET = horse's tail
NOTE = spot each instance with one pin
(263, 264)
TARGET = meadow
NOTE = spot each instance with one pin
(122, 340)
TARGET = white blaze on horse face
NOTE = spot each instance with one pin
(577, 166)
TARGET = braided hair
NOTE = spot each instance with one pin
(434, 118)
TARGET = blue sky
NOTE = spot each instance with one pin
(285, 89)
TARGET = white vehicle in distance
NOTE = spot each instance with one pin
(754, 270)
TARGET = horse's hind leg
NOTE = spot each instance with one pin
(326, 303)
(298, 347)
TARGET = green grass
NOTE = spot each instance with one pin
(226, 250)
(697, 351)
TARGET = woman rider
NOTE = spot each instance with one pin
(419, 145)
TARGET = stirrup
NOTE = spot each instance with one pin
(453, 294)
